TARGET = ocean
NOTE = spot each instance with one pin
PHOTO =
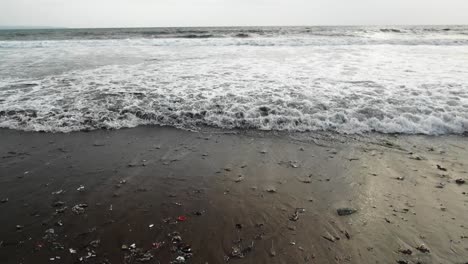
(352, 80)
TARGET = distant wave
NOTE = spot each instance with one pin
(238, 40)
(225, 32)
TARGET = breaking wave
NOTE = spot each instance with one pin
(410, 80)
(117, 97)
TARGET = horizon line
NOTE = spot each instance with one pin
(3, 27)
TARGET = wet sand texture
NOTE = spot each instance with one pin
(162, 195)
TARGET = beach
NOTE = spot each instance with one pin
(163, 195)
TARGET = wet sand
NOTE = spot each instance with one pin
(157, 195)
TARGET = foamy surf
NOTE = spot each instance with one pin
(383, 86)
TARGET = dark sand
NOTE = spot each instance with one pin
(247, 197)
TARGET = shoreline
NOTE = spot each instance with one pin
(246, 197)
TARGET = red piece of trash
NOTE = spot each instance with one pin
(181, 218)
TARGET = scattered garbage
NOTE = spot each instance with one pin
(134, 254)
(180, 259)
(81, 188)
(58, 192)
(416, 157)
(183, 250)
(239, 178)
(293, 164)
(239, 250)
(50, 235)
(79, 208)
(270, 189)
(157, 245)
(346, 211)
(61, 210)
(151, 226)
(400, 178)
(58, 204)
(295, 216)
(460, 181)
(406, 251)
(181, 218)
(422, 248)
(441, 168)
(72, 251)
(95, 243)
(329, 237)
(347, 234)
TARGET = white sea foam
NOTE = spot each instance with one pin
(64, 86)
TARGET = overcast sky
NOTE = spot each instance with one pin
(136, 13)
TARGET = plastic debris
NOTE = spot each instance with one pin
(79, 208)
(61, 210)
(181, 218)
(81, 188)
(151, 226)
(72, 251)
(58, 192)
(345, 211)
(181, 249)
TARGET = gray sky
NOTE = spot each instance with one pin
(135, 13)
